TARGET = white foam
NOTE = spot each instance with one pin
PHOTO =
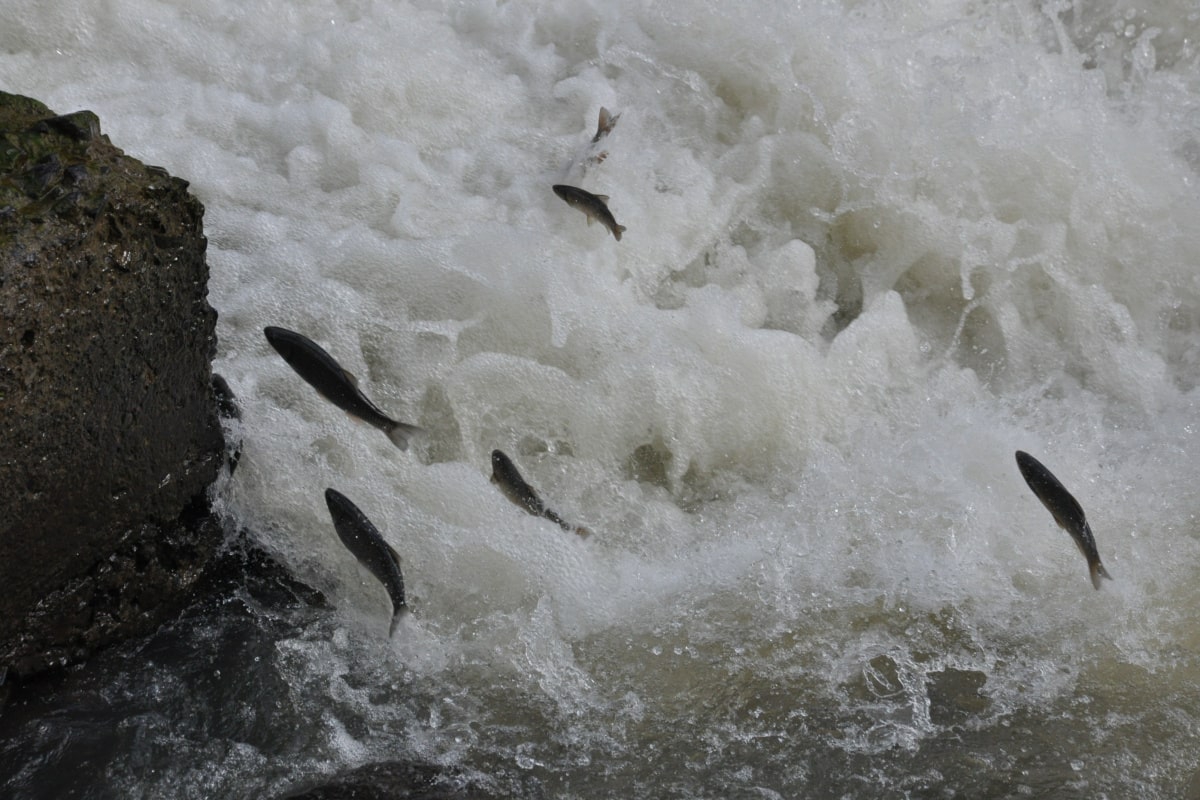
(871, 251)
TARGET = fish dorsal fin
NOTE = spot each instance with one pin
(602, 198)
(349, 376)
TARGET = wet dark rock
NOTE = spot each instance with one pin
(386, 781)
(243, 573)
(108, 427)
(209, 672)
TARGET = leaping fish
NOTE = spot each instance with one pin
(594, 206)
(227, 408)
(514, 487)
(364, 541)
(1065, 509)
(334, 383)
(605, 125)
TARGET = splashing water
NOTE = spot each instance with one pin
(872, 249)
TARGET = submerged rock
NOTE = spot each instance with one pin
(108, 427)
(208, 676)
(385, 781)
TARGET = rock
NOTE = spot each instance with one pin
(386, 781)
(108, 428)
(216, 677)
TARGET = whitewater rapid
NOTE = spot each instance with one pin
(872, 250)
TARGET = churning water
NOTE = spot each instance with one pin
(873, 248)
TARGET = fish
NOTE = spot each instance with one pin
(227, 408)
(1066, 511)
(592, 205)
(227, 405)
(364, 541)
(514, 487)
(606, 124)
(334, 383)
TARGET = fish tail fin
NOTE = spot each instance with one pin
(601, 125)
(401, 432)
(1097, 571)
(617, 231)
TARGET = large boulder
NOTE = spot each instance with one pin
(108, 430)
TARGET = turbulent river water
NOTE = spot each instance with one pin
(873, 248)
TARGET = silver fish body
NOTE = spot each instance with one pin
(334, 383)
(363, 540)
(1066, 511)
(514, 487)
(594, 206)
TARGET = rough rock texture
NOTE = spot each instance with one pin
(108, 429)
(214, 672)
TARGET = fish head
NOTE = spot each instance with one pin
(284, 341)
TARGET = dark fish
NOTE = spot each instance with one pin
(227, 408)
(505, 475)
(363, 540)
(593, 205)
(334, 383)
(605, 126)
(1065, 509)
